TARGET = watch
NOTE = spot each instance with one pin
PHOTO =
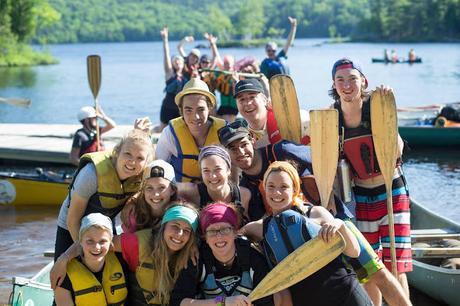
(220, 300)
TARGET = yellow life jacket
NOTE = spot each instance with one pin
(186, 163)
(111, 193)
(145, 271)
(89, 291)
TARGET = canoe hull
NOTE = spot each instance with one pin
(34, 291)
(439, 283)
(430, 136)
(20, 191)
(382, 60)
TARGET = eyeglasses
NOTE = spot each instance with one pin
(271, 51)
(222, 231)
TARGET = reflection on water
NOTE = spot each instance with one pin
(26, 233)
(434, 180)
(21, 77)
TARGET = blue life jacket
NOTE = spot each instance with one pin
(210, 288)
(286, 232)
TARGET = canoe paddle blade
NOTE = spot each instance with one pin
(286, 107)
(303, 262)
(324, 143)
(94, 73)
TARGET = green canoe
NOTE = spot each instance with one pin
(441, 284)
(430, 136)
(33, 291)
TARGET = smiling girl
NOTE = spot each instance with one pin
(215, 166)
(146, 208)
(294, 223)
(96, 277)
(103, 182)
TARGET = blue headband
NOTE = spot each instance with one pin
(184, 213)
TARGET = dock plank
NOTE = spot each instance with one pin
(47, 142)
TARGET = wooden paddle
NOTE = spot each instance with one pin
(16, 101)
(384, 122)
(243, 74)
(435, 252)
(324, 143)
(94, 79)
(303, 262)
(286, 107)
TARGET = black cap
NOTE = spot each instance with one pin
(248, 85)
(234, 131)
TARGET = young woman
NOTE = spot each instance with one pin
(154, 258)
(89, 279)
(175, 81)
(146, 208)
(215, 165)
(228, 269)
(353, 103)
(180, 142)
(103, 182)
(331, 285)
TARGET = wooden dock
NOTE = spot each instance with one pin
(49, 143)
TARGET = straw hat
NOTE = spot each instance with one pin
(195, 86)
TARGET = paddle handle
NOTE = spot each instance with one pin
(98, 136)
(243, 74)
(391, 228)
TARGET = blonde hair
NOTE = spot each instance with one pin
(169, 266)
(134, 136)
(283, 166)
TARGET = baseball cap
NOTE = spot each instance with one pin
(271, 46)
(159, 168)
(248, 85)
(233, 131)
(345, 63)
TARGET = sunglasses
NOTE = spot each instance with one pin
(221, 231)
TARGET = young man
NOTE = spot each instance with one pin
(85, 140)
(353, 103)
(255, 107)
(181, 140)
(276, 63)
(254, 162)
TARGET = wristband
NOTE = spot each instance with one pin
(220, 300)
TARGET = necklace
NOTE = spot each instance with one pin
(228, 262)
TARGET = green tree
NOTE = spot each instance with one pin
(250, 19)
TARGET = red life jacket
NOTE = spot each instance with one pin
(358, 146)
(91, 145)
(273, 132)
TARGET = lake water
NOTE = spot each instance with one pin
(132, 86)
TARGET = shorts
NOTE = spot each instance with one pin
(227, 106)
(169, 110)
(368, 261)
(372, 221)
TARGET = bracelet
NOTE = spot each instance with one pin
(220, 300)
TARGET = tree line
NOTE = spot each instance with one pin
(69, 21)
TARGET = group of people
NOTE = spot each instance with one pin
(217, 204)
(394, 58)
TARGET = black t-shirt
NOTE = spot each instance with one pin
(188, 283)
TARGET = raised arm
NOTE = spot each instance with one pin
(216, 59)
(166, 54)
(291, 36)
(109, 123)
(180, 46)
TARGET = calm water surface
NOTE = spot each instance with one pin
(132, 86)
